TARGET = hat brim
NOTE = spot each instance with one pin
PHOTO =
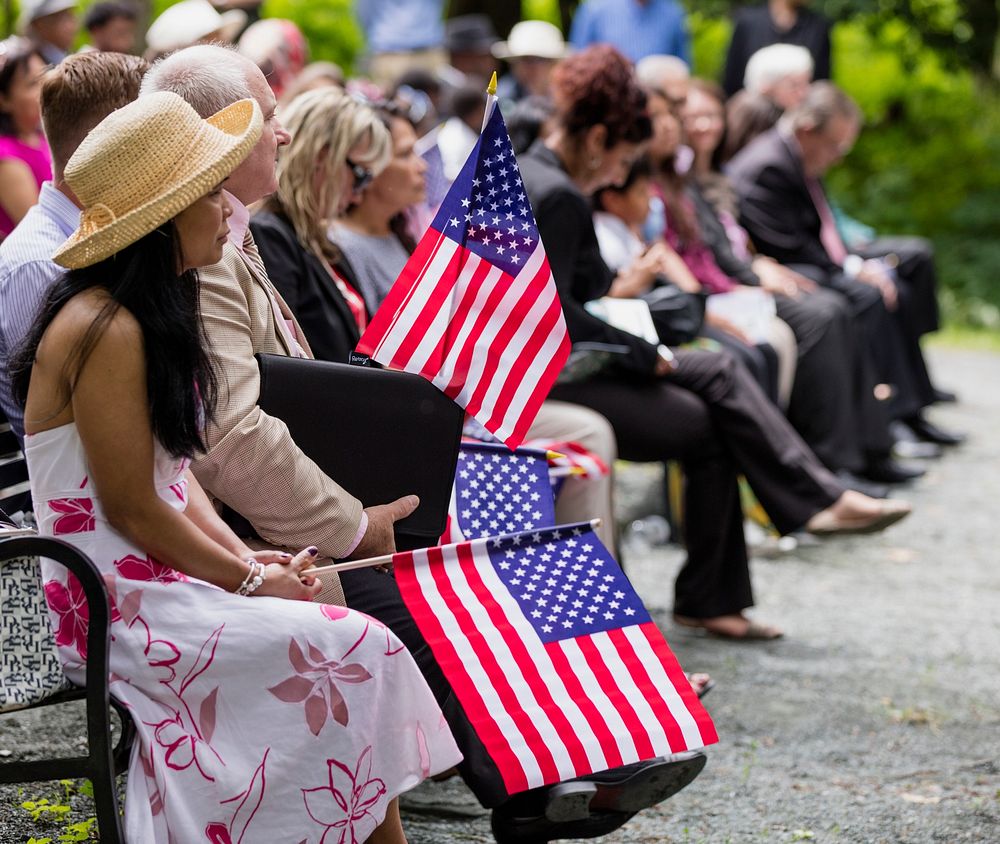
(501, 50)
(236, 131)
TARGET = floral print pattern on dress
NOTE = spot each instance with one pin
(133, 567)
(76, 515)
(315, 684)
(345, 801)
(69, 603)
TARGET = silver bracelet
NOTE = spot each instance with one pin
(255, 577)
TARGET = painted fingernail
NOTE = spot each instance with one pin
(286, 556)
(312, 550)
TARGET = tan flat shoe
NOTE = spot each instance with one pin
(825, 523)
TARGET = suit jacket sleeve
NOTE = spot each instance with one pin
(769, 212)
(252, 463)
(563, 220)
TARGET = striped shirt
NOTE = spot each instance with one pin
(27, 271)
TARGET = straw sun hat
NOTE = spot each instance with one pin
(144, 164)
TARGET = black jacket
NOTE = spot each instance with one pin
(307, 287)
(776, 207)
(566, 227)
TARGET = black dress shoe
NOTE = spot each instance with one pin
(594, 805)
(944, 396)
(931, 433)
(885, 470)
(869, 488)
(913, 449)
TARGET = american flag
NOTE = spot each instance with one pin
(499, 491)
(475, 310)
(551, 653)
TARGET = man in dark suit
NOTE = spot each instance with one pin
(783, 206)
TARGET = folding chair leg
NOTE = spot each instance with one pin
(109, 819)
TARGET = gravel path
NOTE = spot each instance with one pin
(875, 720)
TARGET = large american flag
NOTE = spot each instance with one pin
(475, 310)
(556, 662)
(497, 490)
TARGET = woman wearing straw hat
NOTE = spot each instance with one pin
(259, 720)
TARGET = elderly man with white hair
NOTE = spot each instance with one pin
(781, 72)
(666, 74)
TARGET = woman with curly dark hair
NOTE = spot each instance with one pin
(701, 408)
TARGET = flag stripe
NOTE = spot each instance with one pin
(527, 302)
(386, 318)
(443, 268)
(540, 358)
(646, 731)
(631, 742)
(536, 697)
(462, 333)
(605, 753)
(666, 674)
(507, 294)
(460, 662)
(525, 735)
(427, 357)
(659, 719)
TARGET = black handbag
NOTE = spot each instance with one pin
(677, 316)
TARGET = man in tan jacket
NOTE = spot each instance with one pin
(253, 465)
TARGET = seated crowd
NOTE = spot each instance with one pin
(163, 223)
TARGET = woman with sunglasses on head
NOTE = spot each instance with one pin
(338, 146)
(261, 715)
(25, 161)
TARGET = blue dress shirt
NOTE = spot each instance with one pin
(637, 29)
(400, 26)
(27, 271)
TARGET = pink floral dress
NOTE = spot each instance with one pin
(259, 719)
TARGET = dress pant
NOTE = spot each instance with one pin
(712, 417)
(377, 594)
(893, 358)
(833, 406)
(917, 314)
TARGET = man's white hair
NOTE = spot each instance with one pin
(208, 76)
(659, 70)
(770, 65)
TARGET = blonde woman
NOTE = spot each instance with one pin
(338, 146)
(261, 715)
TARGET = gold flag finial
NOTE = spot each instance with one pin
(491, 89)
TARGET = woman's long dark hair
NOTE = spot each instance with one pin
(181, 384)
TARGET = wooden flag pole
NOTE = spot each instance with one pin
(386, 559)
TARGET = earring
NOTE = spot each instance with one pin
(595, 162)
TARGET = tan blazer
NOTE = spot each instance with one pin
(252, 464)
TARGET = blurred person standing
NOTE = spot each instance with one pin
(25, 161)
(402, 35)
(111, 27)
(638, 28)
(51, 25)
(776, 22)
(531, 51)
(192, 22)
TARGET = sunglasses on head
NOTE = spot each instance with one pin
(362, 176)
